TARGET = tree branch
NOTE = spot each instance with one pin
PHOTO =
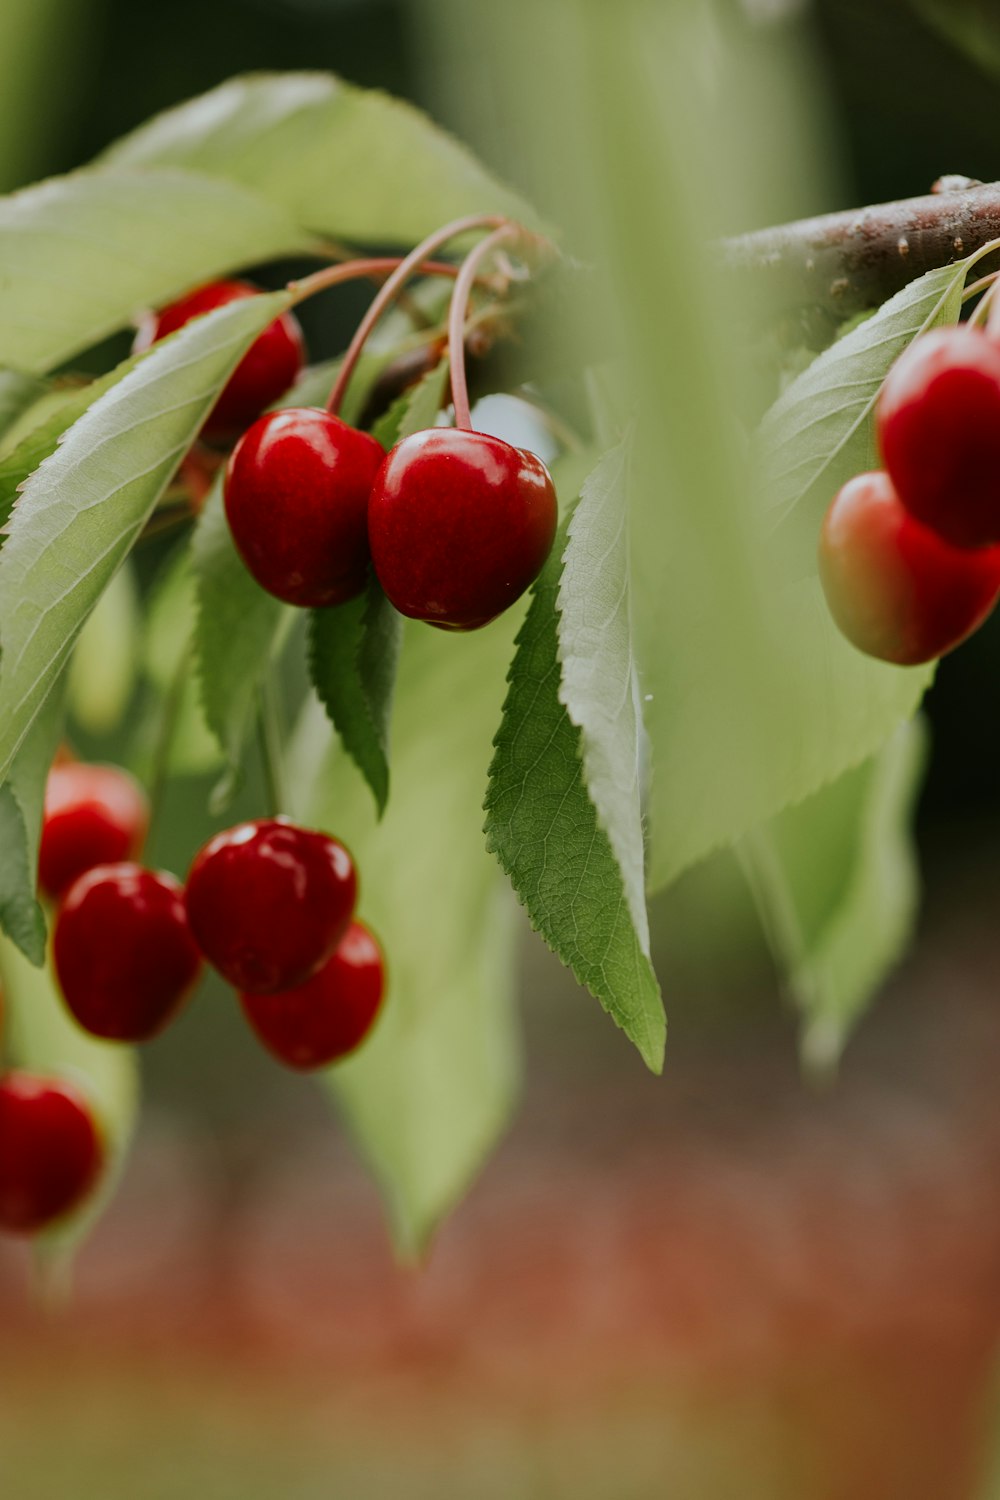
(844, 263)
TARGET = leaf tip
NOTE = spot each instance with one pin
(652, 1049)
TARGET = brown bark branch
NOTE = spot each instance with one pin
(843, 263)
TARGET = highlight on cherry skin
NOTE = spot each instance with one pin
(938, 422)
(460, 525)
(124, 955)
(268, 902)
(296, 498)
(331, 1014)
(51, 1151)
(94, 815)
(271, 364)
(897, 589)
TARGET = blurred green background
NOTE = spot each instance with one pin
(717, 1285)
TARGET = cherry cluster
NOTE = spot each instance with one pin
(456, 524)
(910, 555)
(270, 905)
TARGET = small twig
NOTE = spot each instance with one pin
(846, 262)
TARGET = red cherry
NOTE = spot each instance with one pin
(124, 956)
(331, 1014)
(297, 490)
(897, 590)
(268, 902)
(939, 431)
(94, 815)
(265, 372)
(459, 524)
(50, 1151)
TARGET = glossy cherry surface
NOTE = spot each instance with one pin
(297, 489)
(939, 432)
(460, 525)
(331, 1014)
(268, 902)
(897, 590)
(94, 815)
(265, 372)
(124, 955)
(50, 1151)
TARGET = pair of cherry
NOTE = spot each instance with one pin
(910, 555)
(456, 524)
(269, 904)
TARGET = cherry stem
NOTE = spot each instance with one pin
(985, 311)
(405, 268)
(373, 268)
(457, 314)
(979, 286)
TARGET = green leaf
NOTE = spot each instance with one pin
(751, 697)
(81, 255)
(426, 1097)
(60, 411)
(80, 512)
(238, 632)
(353, 652)
(22, 798)
(345, 161)
(835, 880)
(544, 828)
(43, 1038)
(599, 687)
(791, 704)
(819, 432)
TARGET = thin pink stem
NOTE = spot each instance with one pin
(461, 292)
(406, 268)
(355, 270)
(977, 287)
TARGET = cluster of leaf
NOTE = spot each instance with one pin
(674, 683)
